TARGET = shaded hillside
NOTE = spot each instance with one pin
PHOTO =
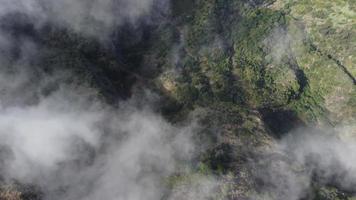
(249, 72)
(262, 69)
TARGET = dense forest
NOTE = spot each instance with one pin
(177, 100)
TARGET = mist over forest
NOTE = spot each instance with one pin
(177, 100)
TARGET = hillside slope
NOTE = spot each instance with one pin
(255, 75)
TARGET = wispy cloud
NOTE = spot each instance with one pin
(98, 18)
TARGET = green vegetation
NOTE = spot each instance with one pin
(252, 70)
(244, 63)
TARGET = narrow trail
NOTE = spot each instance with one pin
(338, 62)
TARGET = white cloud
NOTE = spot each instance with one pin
(98, 18)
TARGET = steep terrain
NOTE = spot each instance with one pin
(261, 69)
(251, 73)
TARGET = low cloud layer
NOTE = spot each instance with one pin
(305, 158)
(73, 146)
(57, 134)
(98, 18)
